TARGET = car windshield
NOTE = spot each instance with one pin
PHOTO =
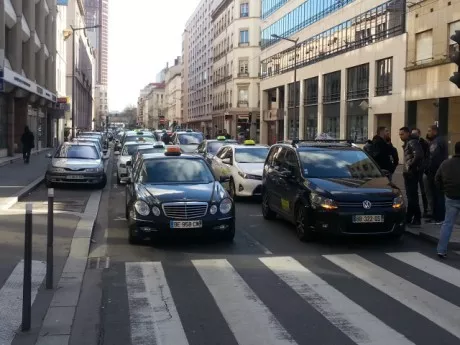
(77, 152)
(192, 138)
(177, 170)
(152, 150)
(129, 150)
(214, 146)
(149, 139)
(251, 155)
(333, 163)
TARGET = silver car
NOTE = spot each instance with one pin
(76, 163)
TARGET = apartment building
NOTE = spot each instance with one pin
(173, 94)
(197, 57)
(27, 72)
(349, 63)
(431, 97)
(235, 71)
(85, 68)
(151, 106)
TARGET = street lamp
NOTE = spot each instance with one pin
(295, 76)
(73, 71)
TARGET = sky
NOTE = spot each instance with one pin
(143, 36)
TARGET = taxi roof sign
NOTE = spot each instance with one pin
(173, 150)
(221, 137)
(249, 142)
(189, 130)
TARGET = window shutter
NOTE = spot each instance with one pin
(424, 47)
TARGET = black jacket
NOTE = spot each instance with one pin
(394, 157)
(382, 152)
(439, 152)
(447, 177)
(27, 140)
(413, 156)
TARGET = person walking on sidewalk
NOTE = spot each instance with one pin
(426, 153)
(413, 160)
(447, 180)
(28, 143)
(438, 153)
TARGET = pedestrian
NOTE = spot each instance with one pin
(394, 157)
(166, 138)
(447, 181)
(413, 160)
(379, 149)
(226, 134)
(28, 143)
(426, 153)
(439, 152)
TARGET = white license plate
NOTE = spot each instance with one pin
(75, 177)
(185, 224)
(368, 219)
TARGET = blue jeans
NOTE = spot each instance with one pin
(452, 211)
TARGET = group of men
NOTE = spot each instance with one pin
(427, 168)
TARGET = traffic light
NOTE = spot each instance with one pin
(455, 58)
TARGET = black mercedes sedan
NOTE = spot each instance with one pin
(330, 188)
(177, 194)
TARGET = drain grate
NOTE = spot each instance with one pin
(98, 263)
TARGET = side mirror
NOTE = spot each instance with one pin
(116, 153)
(49, 155)
(227, 161)
(224, 179)
(128, 163)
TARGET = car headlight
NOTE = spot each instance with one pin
(225, 206)
(318, 201)
(142, 208)
(398, 202)
(156, 211)
(249, 176)
(213, 209)
(57, 170)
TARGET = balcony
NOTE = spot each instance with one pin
(243, 75)
(243, 104)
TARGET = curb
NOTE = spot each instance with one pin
(431, 239)
(10, 201)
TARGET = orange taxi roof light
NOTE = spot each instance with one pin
(173, 150)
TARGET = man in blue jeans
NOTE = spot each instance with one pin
(447, 180)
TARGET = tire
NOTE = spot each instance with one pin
(102, 184)
(232, 189)
(126, 207)
(397, 236)
(302, 231)
(132, 237)
(118, 179)
(229, 235)
(267, 212)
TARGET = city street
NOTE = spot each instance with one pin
(266, 288)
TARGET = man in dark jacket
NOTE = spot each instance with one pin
(426, 152)
(28, 143)
(447, 180)
(380, 150)
(413, 160)
(439, 152)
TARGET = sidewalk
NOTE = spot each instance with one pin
(17, 178)
(428, 231)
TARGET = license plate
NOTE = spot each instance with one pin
(75, 177)
(185, 224)
(368, 219)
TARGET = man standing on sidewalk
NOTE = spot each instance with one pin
(381, 151)
(447, 181)
(438, 153)
(413, 160)
(28, 143)
(426, 153)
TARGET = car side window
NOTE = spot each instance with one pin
(278, 158)
(291, 163)
(228, 153)
(220, 154)
(201, 147)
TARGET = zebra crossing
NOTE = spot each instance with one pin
(251, 317)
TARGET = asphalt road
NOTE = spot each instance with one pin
(265, 288)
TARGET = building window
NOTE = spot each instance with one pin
(243, 68)
(384, 77)
(358, 82)
(243, 98)
(424, 47)
(244, 10)
(452, 28)
(332, 84)
(244, 37)
(311, 86)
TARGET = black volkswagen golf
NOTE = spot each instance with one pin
(330, 187)
(173, 193)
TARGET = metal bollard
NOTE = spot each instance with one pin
(50, 240)
(27, 283)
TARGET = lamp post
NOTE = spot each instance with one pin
(73, 71)
(296, 130)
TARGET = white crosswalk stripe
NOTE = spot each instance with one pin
(443, 313)
(155, 319)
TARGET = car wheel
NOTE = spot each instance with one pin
(397, 235)
(132, 237)
(103, 183)
(232, 189)
(118, 179)
(266, 210)
(229, 235)
(303, 233)
(126, 207)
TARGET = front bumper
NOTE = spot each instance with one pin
(212, 226)
(123, 174)
(248, 187)
(340, 222)
(75, 178)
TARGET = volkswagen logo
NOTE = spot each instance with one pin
(367, 204)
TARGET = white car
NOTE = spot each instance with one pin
(244, 165)
(126, 153)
